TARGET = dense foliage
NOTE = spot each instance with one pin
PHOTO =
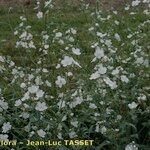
(77, 72)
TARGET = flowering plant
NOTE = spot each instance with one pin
(83, 77)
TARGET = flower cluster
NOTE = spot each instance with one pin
(84, 77)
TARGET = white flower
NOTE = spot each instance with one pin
(74, 123)
(41, 133)
(115, 72)
(103, 130)
(69, 74)
(40, 15)
(96, 114)
(59, 136)
(3, 105)
(129, 36)
(61, 104)
(12, 64)
(111, 84)
(76, 51)
(73, 31)
(29, 36)
(31, 133)
(60, 81)
(2, 59)
(91, 29)
(72, 134)
(6, 127)
(39, 94)
(38, 80)
(146, 12)
(30, 77)
(76, 102)
(92, 106)
(99, 53)
(119, 117)
(64, 118)
(23, 85)
(58, 66)
(127, 7)
(41, 106)
(95, 75)
(146, 1)
(76, 63)
(27, 128)
(108, 43)
(45, 70)
(115, 12)
(71, 39)
(47, 3)
(23, 18)
(33, 89)
(75, 93)
(31, 45)
(97, 127)
(61, 42)
(25, 97)
(142, 97)
(58, 35)
(16, 32)
(117, 37)
(124, 79)
(99, 34)
(116, 22)
(4, 137)
(45, 37)
(23, 35)
(67, 61)
(48, 83)
(131, 146)
(46, 46)
(139, 60)
(26, 105)
(135, 3)
(18, 102)
(24, 115)
(102, 70)
(94, 45)
(133, 105)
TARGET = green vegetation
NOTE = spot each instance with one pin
(75, 72)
